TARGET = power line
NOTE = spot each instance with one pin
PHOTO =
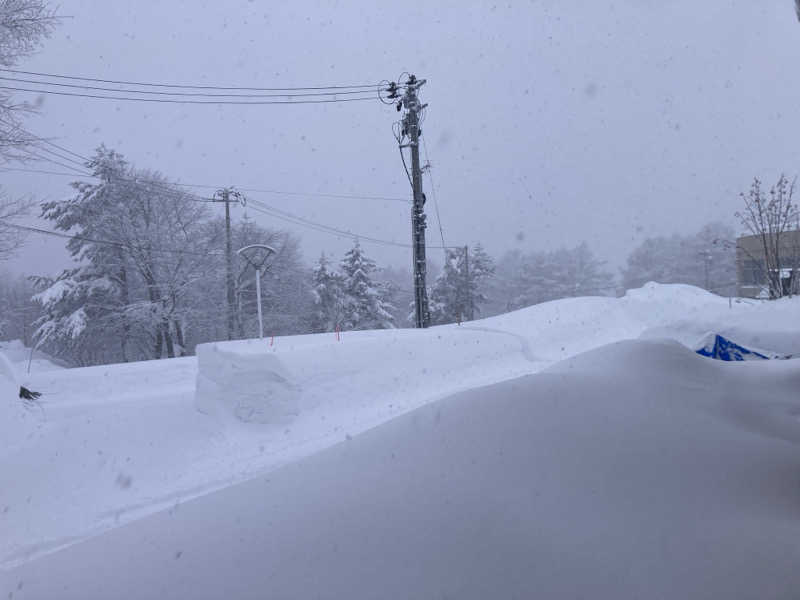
(61, 156)
(101, 242)
(85, 160)
(320, 194)
(190, 86)
(303, 222)
(289, 94)
(60, 164)
(214, 187)
(41, 171)
(264, 208)
(433, 190)
(188, 101)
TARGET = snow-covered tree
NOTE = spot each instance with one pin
(84, 307)
(327, 288)
(578, 272)
(527, 279)
(459, 290)
(705, 259)
(80, 316)
(11, 238)
(366, 304)
(17, 310)
(24, 25)
(137, 239)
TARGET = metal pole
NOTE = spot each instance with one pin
(258, 297)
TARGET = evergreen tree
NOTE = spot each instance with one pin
(84, 307)
(705, 259)
(327, 288)
(366, 303)
(459, 289)
(139, 242)
(544, 276)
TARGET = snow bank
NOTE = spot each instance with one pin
(637, 470)
(369, 370)
(252, 387)
(772, 326)
(402, 369)
(123, 441)
(20, 355)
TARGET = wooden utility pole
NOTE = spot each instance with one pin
(411, 127)
(228, 195)
(468, 287)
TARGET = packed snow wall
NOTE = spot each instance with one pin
(252, 387)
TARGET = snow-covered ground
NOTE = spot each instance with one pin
(115, 443)
(636, 470)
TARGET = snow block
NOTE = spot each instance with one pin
(721, 348)
(250, 387)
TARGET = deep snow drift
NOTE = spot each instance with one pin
(637, 470)
(119, 442)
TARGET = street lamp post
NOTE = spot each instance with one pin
(256, 256)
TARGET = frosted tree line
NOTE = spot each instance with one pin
(149, 275)
(705, 259)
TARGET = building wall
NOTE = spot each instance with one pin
(751, 271)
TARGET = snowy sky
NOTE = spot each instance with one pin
(550, 122)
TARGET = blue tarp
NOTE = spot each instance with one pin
(722, 348)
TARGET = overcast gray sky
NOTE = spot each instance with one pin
(549, 122)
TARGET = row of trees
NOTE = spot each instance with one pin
(149, 280)
(525, 279)
(150, 274)
(705, 259)
(347, 297)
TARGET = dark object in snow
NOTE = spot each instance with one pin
(722, 348)
(27, 394)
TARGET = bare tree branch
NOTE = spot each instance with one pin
(11, 238)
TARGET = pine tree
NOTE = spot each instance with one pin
(366, 303)
(84, 307)
(564, 273)
(138, 238)
(703, 259)
(458, 292)
(327, 288)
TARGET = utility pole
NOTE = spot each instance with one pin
(228, 195)
(706, 256)
(411, 128)
(468, 286)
